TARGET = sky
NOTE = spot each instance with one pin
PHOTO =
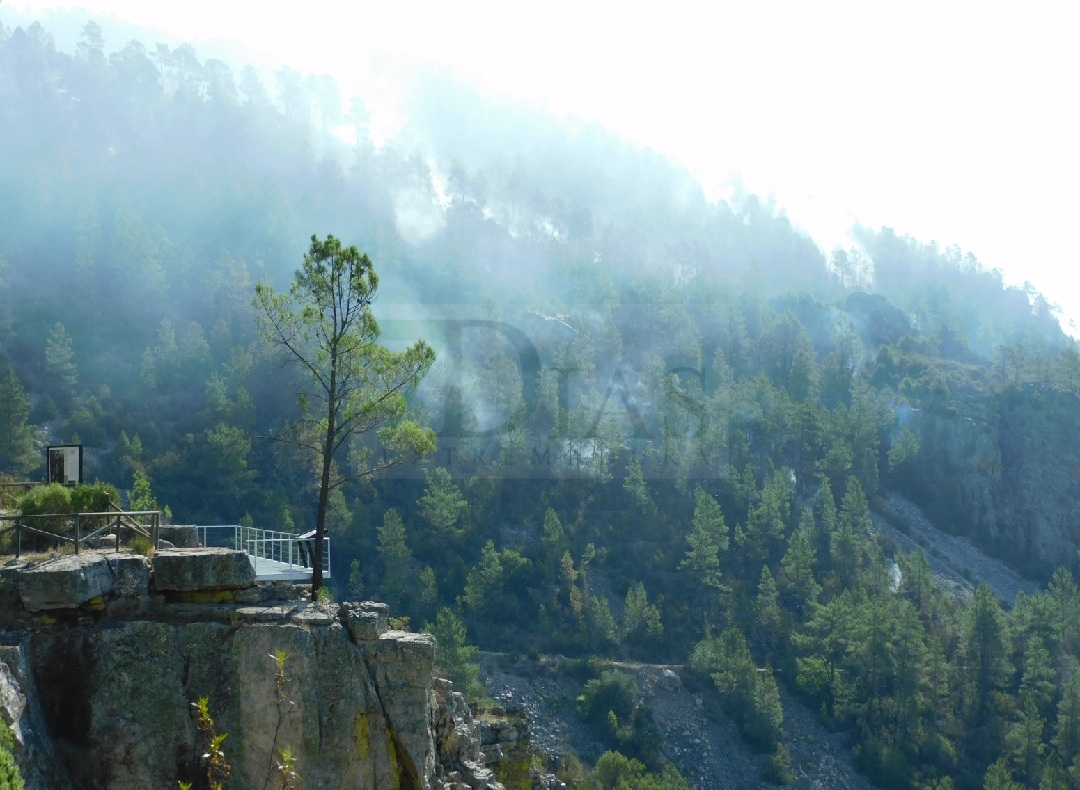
(953, 122)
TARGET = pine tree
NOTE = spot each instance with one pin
(395, 555)
(59, 356)
(442, 503)
(553, 542)
(797, 580)
(484, 585)
(983, 643)
(1067, 728)
(452, 655)
(762, 536)
(356, 387)
(917, 583)
(1038, 678)
(850, 546)
(603, 632)
(1024, 741)
(828, 517)
(1063, 590)
(634, 484)
(575, 598)
(1054, 775)
(768, 626)
(640, 618)
(983, 656)
(10, 777)
(17, 454)
(998, 777)
(708, 537)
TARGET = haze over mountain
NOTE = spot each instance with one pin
(945, 123)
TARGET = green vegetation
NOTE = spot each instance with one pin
(10, 777)
(616, 772)
(326, 327)
(453, 655)
(612, 704)
(217, 766)
(664, 425)
(59, 500)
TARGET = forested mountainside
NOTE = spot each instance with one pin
(662, 422)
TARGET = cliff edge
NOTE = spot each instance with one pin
(102, 656)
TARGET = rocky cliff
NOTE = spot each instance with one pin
(1007, 476)
(104, 654)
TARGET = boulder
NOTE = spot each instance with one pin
(65, 582)
(131, 575)
(191, 570)
(182, 536)
(669, 681)
(366, 621)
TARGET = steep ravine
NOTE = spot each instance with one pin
(708, 748)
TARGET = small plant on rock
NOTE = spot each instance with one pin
(217, 767)
(141, 544)
(282, 767)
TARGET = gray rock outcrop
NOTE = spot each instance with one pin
(40, 765)
(1003, 474)
(99, 692)
(203, 570)
(65, 582)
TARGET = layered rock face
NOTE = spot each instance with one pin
(1008, 478)
(98, 684)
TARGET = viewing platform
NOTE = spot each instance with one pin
(275, 556)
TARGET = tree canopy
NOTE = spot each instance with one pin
(356, 387)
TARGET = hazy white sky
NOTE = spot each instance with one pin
(955, 122)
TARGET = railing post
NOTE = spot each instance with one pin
(155, 521)
(118, 534)
(76, 533)
(18, 539)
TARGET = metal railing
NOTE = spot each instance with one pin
(114, 520)
(271, 552)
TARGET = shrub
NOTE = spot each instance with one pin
(777, 768)
(55, 498)
(612, 705)
(45, 500)
(40, 500)
(749, 696)
(616, 772)
(10, 778)
(141, 544)
(93, 498)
